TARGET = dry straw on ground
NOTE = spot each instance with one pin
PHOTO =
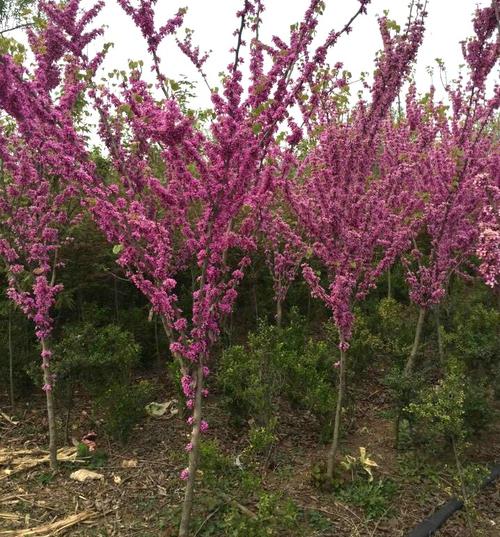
(54, 528)
(15, 461)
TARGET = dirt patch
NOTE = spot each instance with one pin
(140, 498)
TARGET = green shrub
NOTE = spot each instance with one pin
(246, 392)
(213, 462)
(364, 347)
(135, 321)
(478, 409)
(261, 439)
(100, 361)
(94, 358)
(277, 363)
(122, 407)
(440, 408)
(310, 378)
(460, 403)
(394, 330)
(475, 340)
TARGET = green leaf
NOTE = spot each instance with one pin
(256, 128)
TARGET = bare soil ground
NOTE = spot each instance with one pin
(143, 500)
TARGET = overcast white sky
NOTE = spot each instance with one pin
(213, 22)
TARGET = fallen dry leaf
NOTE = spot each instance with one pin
(85, 475)
(129, 463)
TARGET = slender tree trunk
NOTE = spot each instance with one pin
(193, 455)
(439, 336)
(338, 414)
(408, 370)
(410, 363)
(279, 313)
(50, 413)
(11, 360)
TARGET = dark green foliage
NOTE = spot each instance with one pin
(393, 330)
(475, 338)
(96, 291)
(439, 409)
(452, 409)
(122, 407)
(453, 401)
(100, 362)
(153, 344)
(277, 363)
(93, 357)
(25, 352)
(478, 408)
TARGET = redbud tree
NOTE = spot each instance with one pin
(186, 193)
(353, 211)
(38, 168)
(455, 154)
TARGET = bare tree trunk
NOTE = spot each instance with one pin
(338, 413)
(193, 455)
(279, 313)
(11, 360)
(50, 412)
(410, 363)
(408, 370)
